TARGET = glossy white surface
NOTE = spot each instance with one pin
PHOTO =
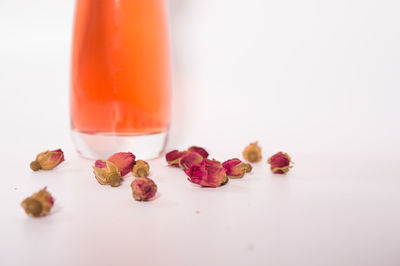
(318, 80)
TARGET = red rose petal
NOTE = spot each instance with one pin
(124, 161)
(199, 150)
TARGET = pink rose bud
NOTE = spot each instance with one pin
(189, 159)
(199, 150)
(208, 173)
(235, 168)
(47, 160)
(107, 173)
(143, 188)
(173, 157)
(124, 161)
(39, 204)
(280, 163)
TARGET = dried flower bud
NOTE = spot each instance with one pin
(39, 204)
(173, 157)
(143, 188)
(107, 173)
(208, 173)
(235, 168)
(280, 163)
(199, 150)
(252, 153)
(124, 161)
(47, 160)
(141, 169)
(189, 159)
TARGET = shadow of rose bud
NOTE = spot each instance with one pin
(47, 160)
(124, 161)
(280, 163)
(252, 153)
(141, 169)
(189, 159)
(173, 157)
(39, 204)
(208, 173)
(199, 150)
(143, 189)
(235, 168)
(107, 173)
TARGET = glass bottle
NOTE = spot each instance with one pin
(120, 78)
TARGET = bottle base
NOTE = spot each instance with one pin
(101, 145)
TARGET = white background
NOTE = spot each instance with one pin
(317, 79)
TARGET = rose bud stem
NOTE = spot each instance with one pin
(35, 166)
(141, 169)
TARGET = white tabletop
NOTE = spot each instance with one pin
(315, 80)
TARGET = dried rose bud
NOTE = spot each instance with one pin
(107, 173)
(124, 161)
(208, 173)
(173, 157)
(189, 159)
(235, 168)
(141, 169)
(252, 153)
(47, 160)
(280, 163)
(39, 204)
(143, 188)
(199, 150)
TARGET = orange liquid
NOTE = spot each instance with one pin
(120, 77)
